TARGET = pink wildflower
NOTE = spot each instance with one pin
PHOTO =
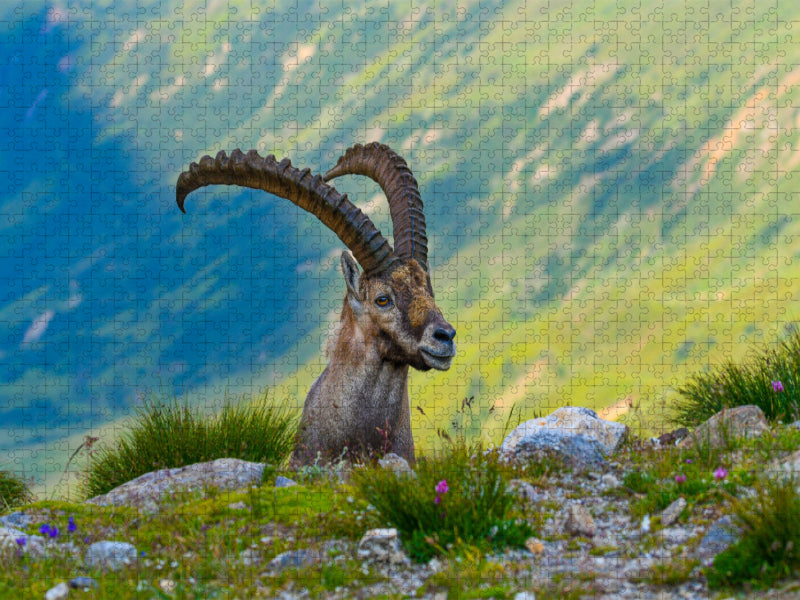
(441, 487)
(777, 386)
(721, 473)
(680, 478)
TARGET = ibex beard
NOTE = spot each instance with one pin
(389, 320)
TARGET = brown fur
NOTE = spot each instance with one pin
(361, 399)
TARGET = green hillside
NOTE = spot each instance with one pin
(610, 195)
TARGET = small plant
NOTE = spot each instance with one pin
(13, 491)
(457, 498)
(769, 548)
(769, 380)
(174, 435)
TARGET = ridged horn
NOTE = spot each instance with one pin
(312, 194)
(390, 171)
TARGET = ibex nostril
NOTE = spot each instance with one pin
(444, 335)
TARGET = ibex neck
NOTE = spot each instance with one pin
(356, 356)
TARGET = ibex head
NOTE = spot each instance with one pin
(390, 320)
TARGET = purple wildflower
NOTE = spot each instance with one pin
(45, 529)
(721, 473)
(681, 478)
(777, 386)
(53, 532)
(21, 541)
(437, 500)
(688, 461)
(71, 526)
(441, 487)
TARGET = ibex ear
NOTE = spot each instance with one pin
(351, 278)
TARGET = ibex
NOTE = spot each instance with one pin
(389, 320)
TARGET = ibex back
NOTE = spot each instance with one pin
(389, 319)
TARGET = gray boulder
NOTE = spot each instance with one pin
(731, 423)
(110, 555)
(576, 434)
(147, 491)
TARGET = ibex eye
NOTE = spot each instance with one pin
(383, 301)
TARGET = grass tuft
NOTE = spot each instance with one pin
(13, 491)
(769, 380)
(174, 435)
(769, 549)
(457, 499)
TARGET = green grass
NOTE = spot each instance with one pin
(13, 491)
(173, 434)
(769, 549)
(754, 381)
(474, 510)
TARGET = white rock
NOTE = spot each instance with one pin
(670, 514)
(60, 592)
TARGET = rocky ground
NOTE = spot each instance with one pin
(589, 541)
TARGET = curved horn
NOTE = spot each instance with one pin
(353, 227)
(390, 171)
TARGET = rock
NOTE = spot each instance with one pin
(293, 559)
(281, 481)
(740, 422)
(249, 557)
(672, 437)
(522, 490)
(788, 468)
(381, 545)
(720, 536)
(576, 434)
(110, 555)
(147, 491)
(60, 592)
(398, 464)
(579, 521)
(609, 481)
(573, 420)
(32, 546)
(524, 596)
(16, 520)
(534, 545)
(670, 514)
(675, 535)
(82, 583)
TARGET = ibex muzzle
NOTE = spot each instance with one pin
(389, 320)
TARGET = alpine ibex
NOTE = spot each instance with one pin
(389, 320)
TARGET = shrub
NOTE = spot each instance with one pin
(13, 491)
(456, 498)
(175, 435)
(769, 548)
(770, 380)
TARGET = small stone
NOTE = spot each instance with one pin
(110, 555)
(609, 481)
(167, 585)
(294, 559)
(82, 583)
(645, 525)
(720, 536)
(579, 522)
(381, 545)
(237, 506)
(60, 592)
(534, 545)
(249, 557)
(522, 490)
(397, 464)
(524, 596)
(281, 481)
(671, 514)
